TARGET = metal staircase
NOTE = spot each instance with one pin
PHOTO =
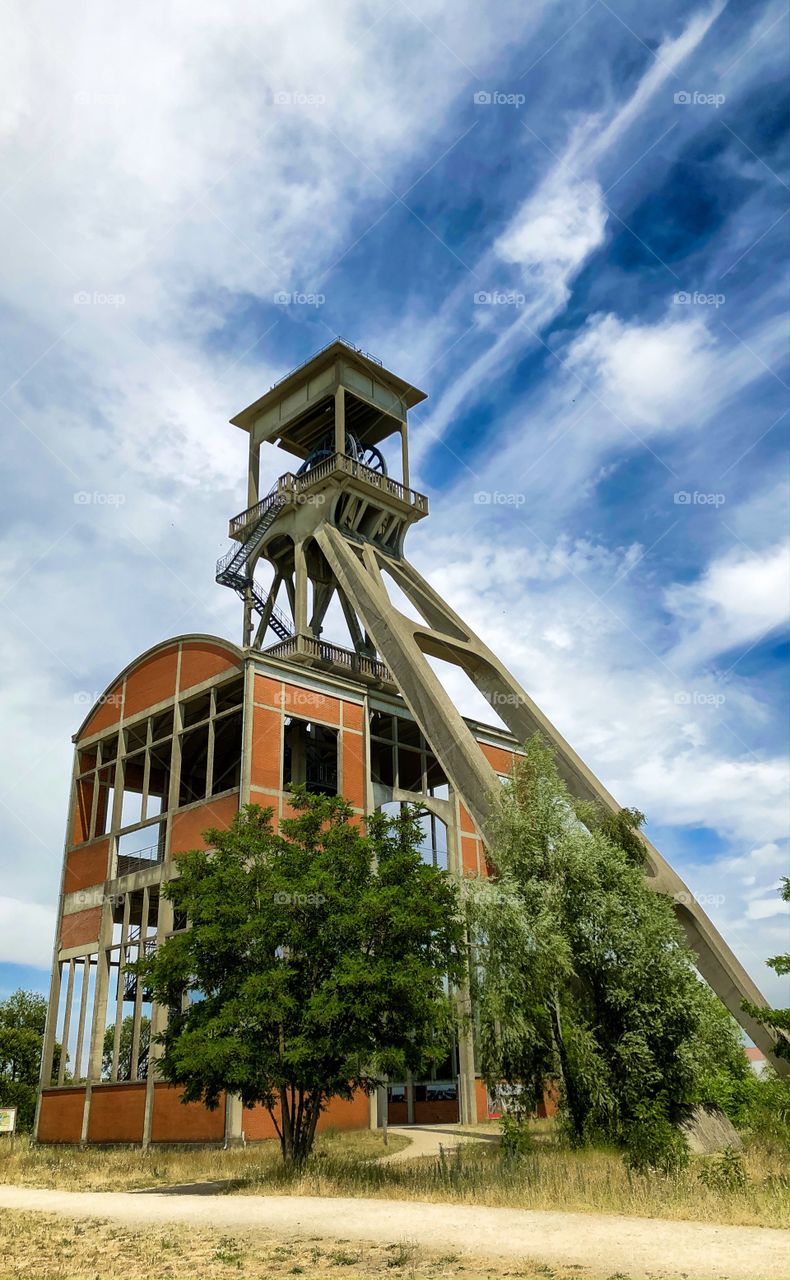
(233, 569)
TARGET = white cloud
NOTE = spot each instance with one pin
(552, 235)
(653, 375)
(741, 597)
(26, 933)
(554, 231)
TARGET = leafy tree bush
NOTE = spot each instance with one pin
(777, 1020)
(124, 1046)
(22, 1019)
(725, 1173)
(516, 1138)
(317, 958)
(581, 973)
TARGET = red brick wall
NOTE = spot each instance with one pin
(60, 1115)
(481, 1094)
(152, 681)
(265, 770)
(201, 660)
(354, 1114)
(353, 769)
(87, 867)
(107, 713)
(177, 1121)
(440, 1111)
(188, 827)
(117, 1112)
(81, 927)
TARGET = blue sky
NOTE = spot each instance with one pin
(565, 221)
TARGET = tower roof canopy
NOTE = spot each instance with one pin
(299, 409)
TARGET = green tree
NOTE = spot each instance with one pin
(124, 1046)
(22, 1019)
(582, 972)
(777, 1020)
(316, 959)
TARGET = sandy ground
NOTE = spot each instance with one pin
(636, 1248)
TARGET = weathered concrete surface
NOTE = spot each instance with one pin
(708, 1130)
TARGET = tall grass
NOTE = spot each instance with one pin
(128, 1168)
(548, 1177)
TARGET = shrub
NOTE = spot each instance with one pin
(516, 1138)
(726, 1172)
(655, 1145)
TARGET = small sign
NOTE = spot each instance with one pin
(7, 1119)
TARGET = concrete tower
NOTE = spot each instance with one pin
(195, 728)
(338, 526)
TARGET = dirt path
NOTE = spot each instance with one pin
(427, 1139)
(636, 1248)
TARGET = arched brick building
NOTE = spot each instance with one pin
(187, 733)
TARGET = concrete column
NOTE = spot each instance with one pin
(301, 582)
(467, 1094)
(340, 420)
(253, 473)
(164, 925)
(404, 454)
(48, 1050)
(234, 1120)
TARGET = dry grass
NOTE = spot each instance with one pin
(126, 1168)
(38, 1246)
(548, 1177)
(594, 1181)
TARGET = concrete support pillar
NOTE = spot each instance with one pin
(467, 1094)
(340, 420)
(164, 925)
(234, 1120)
(48, 1050)
(404, 454)
(301, 582)
(253, 473)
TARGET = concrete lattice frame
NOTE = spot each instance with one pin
(403, 644)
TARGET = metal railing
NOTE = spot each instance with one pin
(334, 654)
(289, 487)
(320, 351)
(139, 859)
(385, 484)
